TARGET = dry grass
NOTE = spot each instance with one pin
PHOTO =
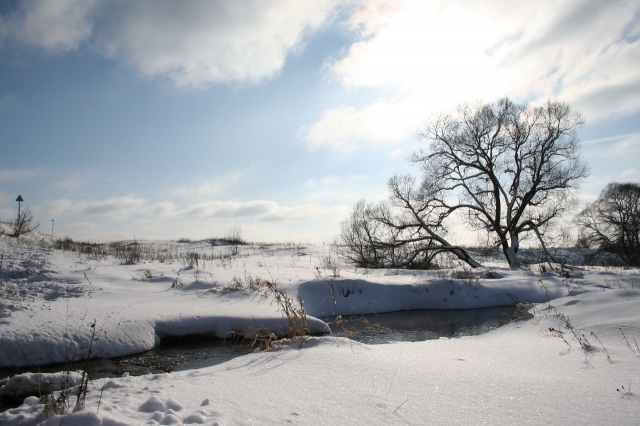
(465, 276)
(297, 325)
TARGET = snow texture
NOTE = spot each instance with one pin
(574, 360)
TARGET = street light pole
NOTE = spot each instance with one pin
(52, 223)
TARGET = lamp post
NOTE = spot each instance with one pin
(52, 223)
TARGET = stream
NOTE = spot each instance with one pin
(200, 351)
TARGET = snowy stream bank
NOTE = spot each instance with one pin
(534, 371)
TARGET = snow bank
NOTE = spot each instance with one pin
(38, 383)
(576, 361)
(519, 373)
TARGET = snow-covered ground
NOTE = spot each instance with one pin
(567, 363)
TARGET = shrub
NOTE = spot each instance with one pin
(23, 223)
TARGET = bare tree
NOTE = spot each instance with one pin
(612, 222)
(234, 234)
(512, 169)
(359, 237)
(23, 223)
(406, 231)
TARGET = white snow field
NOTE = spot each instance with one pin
(575, 359)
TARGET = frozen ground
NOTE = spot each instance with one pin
(567, 363)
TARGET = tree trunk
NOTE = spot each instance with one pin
(511, 256)
(466, 257)
(515, 241)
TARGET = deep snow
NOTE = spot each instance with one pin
(533, 371)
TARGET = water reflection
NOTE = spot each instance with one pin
(414, 326)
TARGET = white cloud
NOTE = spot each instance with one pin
(213, 186)
(232, 209)
(56, 26)
(343, 128)
(260, 210)
(305, 212)
(581, 54)
(162, 209)
(629, 175)
(345, 189)
(421, 46)
(331, 179)
(617, 146)
(112, 206)
(611, 138)
(130, 206)
(194, 43)
(15, 175)
(116, 207)
(433, 55)
(190, 43)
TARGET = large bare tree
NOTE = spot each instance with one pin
(511, 169)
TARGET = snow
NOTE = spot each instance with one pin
(531, 372)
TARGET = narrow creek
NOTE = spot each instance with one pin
(199, 351)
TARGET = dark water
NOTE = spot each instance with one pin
(173, 354)
(415, 326)
(193, 352)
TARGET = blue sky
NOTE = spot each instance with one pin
(180, 119)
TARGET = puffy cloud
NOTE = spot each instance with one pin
(194, 43)
(433, 55)
(53, 25)
(191, 43)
